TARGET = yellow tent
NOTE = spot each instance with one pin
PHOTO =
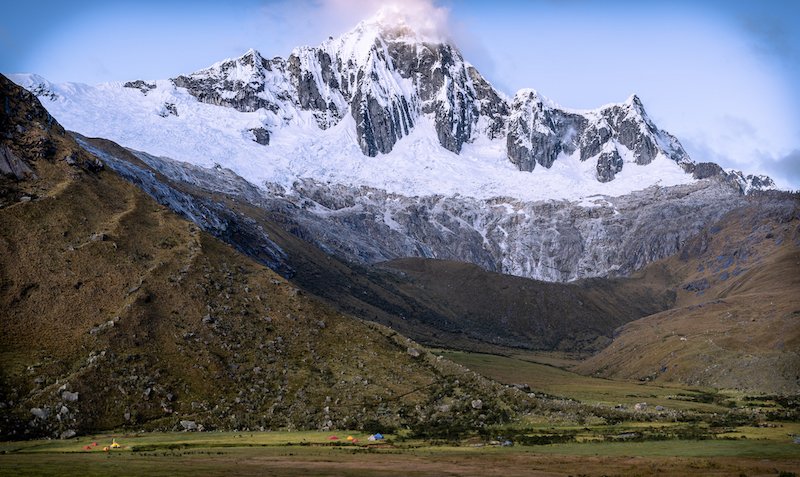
(350, 438)
(114, 444)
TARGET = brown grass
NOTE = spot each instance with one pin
(742, 331)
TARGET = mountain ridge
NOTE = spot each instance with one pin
(381, 90)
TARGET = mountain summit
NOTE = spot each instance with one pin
(396, 86)
(386, 74)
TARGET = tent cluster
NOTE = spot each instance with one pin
(374, 437)
(114, 445)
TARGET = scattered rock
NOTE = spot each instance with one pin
(189, 425)
(40, 413)
(69, 396)
(168, 109)
(477, 404)
(69, 433)
(413, 352)
(697, 285)
(98, 237)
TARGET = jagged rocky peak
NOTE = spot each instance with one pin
(247, 83)
(400, 68)
(539, 131)
(385, 73)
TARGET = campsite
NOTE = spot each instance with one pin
(703, 442)
(743, 451)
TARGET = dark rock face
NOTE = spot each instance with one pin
(306, 68)
(633, 129)
(746, 184)
(260, 135)
(454, 92)
(704, 170)
(383, 114)
(456, 113)
(12, 165)
(141, 85)
(490, 105)
(608, 164)
(539, 133)
(223, 85)
(384, 93)
(379, 127)
(760, 182)
(743, 184)
(389, 80)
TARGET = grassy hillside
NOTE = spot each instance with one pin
(118, 313)
(736, 323)
(525, 313)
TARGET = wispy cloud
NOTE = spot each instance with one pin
(773, 36)
(318, 19)
(786, 170)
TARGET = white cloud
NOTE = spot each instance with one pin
(315, 20)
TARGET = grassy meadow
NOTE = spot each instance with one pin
(538, 446)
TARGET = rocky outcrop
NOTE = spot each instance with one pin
(608, 164)
(539, 131)
(553, 241)
(744, 184)
(12, 165)
(260, 135)
(248, 83)
(141, 85)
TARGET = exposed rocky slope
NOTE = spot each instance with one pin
(271, 231)
(552, 240)
(456, 305)
(117, 313)
(735, 323)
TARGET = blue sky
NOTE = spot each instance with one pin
(720, 75)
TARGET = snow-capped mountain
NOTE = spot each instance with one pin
(383, 106)
(386, 143)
